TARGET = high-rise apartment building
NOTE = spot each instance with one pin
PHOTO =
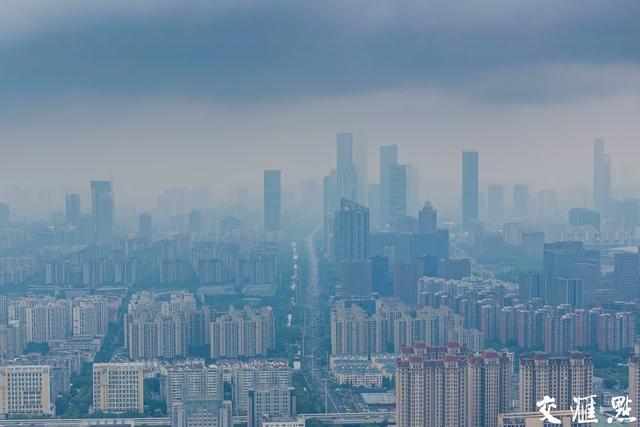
(186, 382)
(243, 333)
(561, 377)
(25, 390)
(272, 200)
(449, 387)
(470, 187)
(118, 387)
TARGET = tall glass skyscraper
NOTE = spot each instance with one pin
(470, 186)
(102, 207)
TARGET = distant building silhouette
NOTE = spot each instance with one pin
(272, 200)
(470, 187)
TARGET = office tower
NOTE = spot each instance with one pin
(373, 200)
(561, 377)
(193, 381)
(496, 199)
(72, 209)
(329, 207)
(272, 200)
(569, 260)
(388, 158)
(102, 208)
(520, 199)
(582, 217)
(634, 384)
(145, 226)
(380, 276)
(601, 178)
(355, 278)
(570, 292)
(427, 218)
(360, 162)
(201, 412)
(413, 190)
(195, 221)
(397, 193)
(531, 285)
(470, 187)
(405, 280)
(451, 388)
(243, 333)
(627, 274)
(351, 232)
(118, 387)
(25, 390)
(347, 176)
(454, 268)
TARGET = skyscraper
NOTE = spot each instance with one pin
(470, 186)
(601, 178)
(72, 209)
(427, 218)
(346, 171)
(272, 200)
(568, 260)
(145, 226)
(627, 274)
(351, 232)
(388, 158)
(496, 199)
(413, 190)
(520, 199)
(102, 208)
(397, 194)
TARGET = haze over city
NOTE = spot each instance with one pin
(285, 213)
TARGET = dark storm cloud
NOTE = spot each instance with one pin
(281, 49)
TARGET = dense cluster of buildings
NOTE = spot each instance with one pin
(393, 325)
(161, 326)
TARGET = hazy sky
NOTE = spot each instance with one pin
(167, 92)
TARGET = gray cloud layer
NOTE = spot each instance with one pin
(264, 49)
(193, 92)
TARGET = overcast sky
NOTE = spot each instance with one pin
(159, 93)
